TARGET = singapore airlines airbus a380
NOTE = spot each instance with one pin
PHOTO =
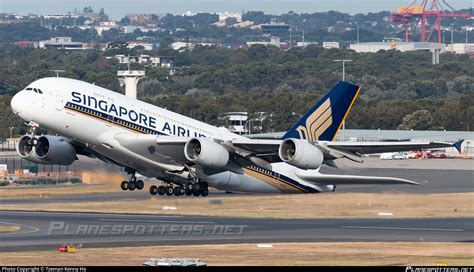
(187, 155)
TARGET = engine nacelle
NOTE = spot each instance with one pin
(55, 150)
(301, 154)
(206, 152)
(24, 147)
(46, 150)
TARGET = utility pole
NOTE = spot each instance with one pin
(452, 36)
(358, 34)
(343, 79)
(290, 39)
(11, 132)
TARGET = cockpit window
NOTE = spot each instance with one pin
(34, 90)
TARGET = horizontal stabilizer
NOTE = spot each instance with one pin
(352, 180)
(458, 144)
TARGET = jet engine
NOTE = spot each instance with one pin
(301, 154)
(46, 150)
(206, 152)
(25, 148)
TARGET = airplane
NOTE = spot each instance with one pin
(186, 155)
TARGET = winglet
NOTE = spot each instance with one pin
(457, 145)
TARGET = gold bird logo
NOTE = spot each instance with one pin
(317, 122)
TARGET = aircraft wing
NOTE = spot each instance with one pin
(257, 146)
(323, 179)
(382, 147)
(171, 148)
(332, 150)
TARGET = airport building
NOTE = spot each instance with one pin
(329, 45)
(61, 43)
(240, 123)
(461, 48)
(374, 47)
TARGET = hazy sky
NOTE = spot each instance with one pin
(118, 8)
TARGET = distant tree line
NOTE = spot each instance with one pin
(399, 90)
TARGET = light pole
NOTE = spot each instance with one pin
(11, 132)
(452, 37)
(358, 34)
(58, 72)
(343, 79)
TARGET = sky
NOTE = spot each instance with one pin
(118, 8)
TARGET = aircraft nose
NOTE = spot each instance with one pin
(16, 103)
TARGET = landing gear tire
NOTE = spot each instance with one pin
(140, 184)
(153, 190)
(124, 185)
(177, 191)
(132, 185)
(196, 192)
(161, 190)
(188, 191)
(169, 190)
(196, 187)
(204, 192)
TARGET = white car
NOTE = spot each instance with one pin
(394, 156)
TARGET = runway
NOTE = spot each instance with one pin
(46, 230)
(440, 181)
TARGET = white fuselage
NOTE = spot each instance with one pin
(91, 115)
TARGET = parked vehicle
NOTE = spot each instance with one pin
(394, 156)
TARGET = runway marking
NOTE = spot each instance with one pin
(160, 221)
(401, 228)
(33, 229)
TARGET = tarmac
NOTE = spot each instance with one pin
(46, 230)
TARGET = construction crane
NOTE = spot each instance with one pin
(428, 14)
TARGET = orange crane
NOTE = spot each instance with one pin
(420, 12)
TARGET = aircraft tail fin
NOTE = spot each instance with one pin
(324, 119)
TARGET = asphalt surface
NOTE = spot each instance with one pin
(46, 230)
(434, 181)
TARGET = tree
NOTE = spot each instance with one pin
(418, 120)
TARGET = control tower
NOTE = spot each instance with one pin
(130, 78)
(275, 30)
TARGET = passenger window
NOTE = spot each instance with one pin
(39, 91)
(29, 89)
(35, 90)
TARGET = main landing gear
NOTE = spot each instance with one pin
(133, 183)
(195, 189)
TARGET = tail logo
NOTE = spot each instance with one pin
(317, 122)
